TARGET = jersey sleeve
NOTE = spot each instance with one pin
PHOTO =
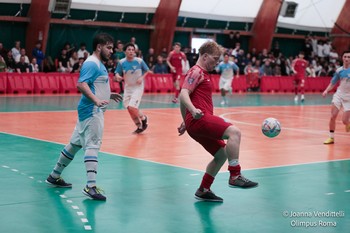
(192, 79)
(87, 72)
(336, 77)
(235, 67)
(144, 66)
(119, 69)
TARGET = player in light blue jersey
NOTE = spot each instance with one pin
(226, 68)
(341, 97)
(133, 70)
(94, 85)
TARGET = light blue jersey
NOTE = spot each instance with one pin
(131, 70)
(226, 69)
(342, 75)
(94, 73)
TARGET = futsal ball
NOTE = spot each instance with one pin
(271, 127)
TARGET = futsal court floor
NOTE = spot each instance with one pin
(150, 179)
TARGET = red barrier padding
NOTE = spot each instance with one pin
(45, 83)
(115, 86)
(252, 80)
(3, 83)
(161, 83)
(240, 84)
(20, 83)
(148, 83)
(68, 83)
(270, 84)
(286, 84)
(215, 78)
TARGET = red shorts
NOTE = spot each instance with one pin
(176, 76)
(298, 81)
(208, 131)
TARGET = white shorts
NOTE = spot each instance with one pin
(341, 101)
(225, 84)
(132, 96)
(88, 133)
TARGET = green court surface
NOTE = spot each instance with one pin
(148, 197)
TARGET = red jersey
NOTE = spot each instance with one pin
(175, 60)
(300, 66)
(198, 82)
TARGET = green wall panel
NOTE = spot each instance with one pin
(11, 32)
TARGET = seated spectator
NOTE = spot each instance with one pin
(73, 59)
(10, 62)
(33, 66)
(22, 53)
(160, 67)
(22, 66)
(48, 65)
(63, 63)
(3, 66)
(77, 66)
(82, 50)
(3, 51)
(310, 71)
(266, 68)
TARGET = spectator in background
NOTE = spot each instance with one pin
(10, 62)
(3, 66)
(119, 52)
(266, 69)
(77, 66)
(333, 56)
(160, 67)
(16, 50)
(22, 66)
(69, 49)
(82, 51)
(63, 62)
(22, 53)
(73, 59)
(48, 65)
(38, 54)
(151, 58)
(133, 41)
(33, 66)
(3, 51)
(230, 41)
(310, 71)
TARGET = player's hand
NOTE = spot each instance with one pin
(197, 113)
(324, 93)
(181, 129)
(116, 97)
(139, 80)
(173, 70)
(101, 103)
(117, 78)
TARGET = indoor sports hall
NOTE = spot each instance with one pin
(150, 178)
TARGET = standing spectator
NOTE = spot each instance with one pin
(39, 55)
(230, 41)
(82, 50)
(150, 58)
(174, 61)
(16, 50)
(119, 52)
(133, 41)
(333, 56)
(74, 59)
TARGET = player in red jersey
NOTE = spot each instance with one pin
(203, 126)
(174, 61)
(299, 66)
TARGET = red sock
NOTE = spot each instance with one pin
(235, 170)
(207, 181)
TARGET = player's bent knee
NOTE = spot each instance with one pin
(231, 132)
